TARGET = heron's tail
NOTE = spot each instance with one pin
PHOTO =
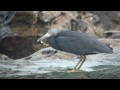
(109, 45)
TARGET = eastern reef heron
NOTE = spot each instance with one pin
(75, 42)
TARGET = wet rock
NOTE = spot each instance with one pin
(96, 66)
(50, 53)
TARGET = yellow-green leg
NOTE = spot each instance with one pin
(84, 58)
(80, 63)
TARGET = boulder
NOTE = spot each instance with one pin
(47, 16)
(4, 57)
(109, 19)
(63, 21)
(112, 34)
(94, 27)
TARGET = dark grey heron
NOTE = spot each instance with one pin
(76, 43)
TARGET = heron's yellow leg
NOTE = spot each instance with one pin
(75, 68)
(82, 62)
(81, 58)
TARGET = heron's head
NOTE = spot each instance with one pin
(51, 32)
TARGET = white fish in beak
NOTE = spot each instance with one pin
(51, 32)
(44, 37)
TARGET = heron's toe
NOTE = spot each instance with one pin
(73, 70)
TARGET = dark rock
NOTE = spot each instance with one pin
(26, 17)
(112, 34)
(18, 47)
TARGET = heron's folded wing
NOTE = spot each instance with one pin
(82, 45)
(74, 45)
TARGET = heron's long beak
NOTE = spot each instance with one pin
(44, 37)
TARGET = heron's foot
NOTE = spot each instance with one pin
(73, 70)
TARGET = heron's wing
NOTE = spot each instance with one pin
(74, 45)
(81, 44)
(52, 43)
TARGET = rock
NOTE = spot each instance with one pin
(6, 17)
(34, 66)
(112, 42)
(78, 25)
(3, 14)
(47, 16)
(50, 53)
(112, 34)
(18, 39)
(18, 47)
(29, 17)
(94, 27)
(63, 21)
(4, 57)
(109, 19)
